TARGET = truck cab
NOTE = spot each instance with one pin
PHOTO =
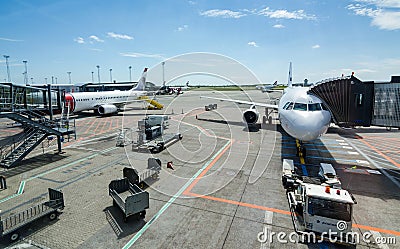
(325, 207)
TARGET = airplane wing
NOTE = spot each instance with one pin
(244, 102)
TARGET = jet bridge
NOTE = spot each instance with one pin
(29, 106)
(353, 102)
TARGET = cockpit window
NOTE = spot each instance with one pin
(300, 107)
(314, 107)
(290, 106)
(324, 107)
(285, 106)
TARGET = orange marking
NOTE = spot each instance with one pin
(243, 204)
(93, 121)
(100, 122)
(187, 190)
(378, 151)
(377, 229)
(111, 124)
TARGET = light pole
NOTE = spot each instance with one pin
(45, 79)
(98, 72)
(69, 76)
(26, 73)
(56, 81)
(163, 75)
(130, 73)
(110, 75)
(8, 69)
(92, 77)
(32, 80)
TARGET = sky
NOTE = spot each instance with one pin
(323, 39)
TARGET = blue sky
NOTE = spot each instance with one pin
(323, 39)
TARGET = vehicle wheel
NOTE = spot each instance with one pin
(270, 120)
(143, 214)
(14, 236)
(141, 185)
(53, 216)
(154, 176)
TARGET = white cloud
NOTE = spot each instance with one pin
(192, 2)
(140, 55)
(119, 36)
(252, 43)
(8, 39)
(278, 26)
(284, 14)
(222, 13)
(79, 40)
(182, 28)
(382, 3)
(95, 38)
(381, 17)
(316, 46)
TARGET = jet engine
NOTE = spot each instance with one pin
(107, 109)
(250, 116)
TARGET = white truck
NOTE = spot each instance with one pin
(320, 208)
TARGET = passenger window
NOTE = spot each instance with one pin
(290, 106)
(300, 107)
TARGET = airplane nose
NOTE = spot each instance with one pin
(312, 127)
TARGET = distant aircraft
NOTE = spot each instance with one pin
(176, 90)
(302, 115)
(107, 102)
(268, 88)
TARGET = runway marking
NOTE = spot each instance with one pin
(188, 184)
(378, 166)
(344, 144)
(378, 151)
(348, 147)
(23, 183)
(362, 162)
(353, 152)
(243, 204)
(267, 229)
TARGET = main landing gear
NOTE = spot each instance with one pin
(267, 118)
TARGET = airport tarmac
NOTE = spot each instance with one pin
(225, 188)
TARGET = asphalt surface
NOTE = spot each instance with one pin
(224, 190)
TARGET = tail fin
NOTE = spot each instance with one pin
(187, 83)
(275, 83)
(290, 80)
(142, 82)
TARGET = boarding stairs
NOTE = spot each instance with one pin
(33, 139)
(153, 103)
(36, 128)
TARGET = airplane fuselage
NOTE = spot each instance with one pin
(303, 116)
(92, 100)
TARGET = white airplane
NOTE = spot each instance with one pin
(267, 88)
(107, 102)
(302, 115)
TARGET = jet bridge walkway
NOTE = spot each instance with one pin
(353, 102)
(30, 107)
